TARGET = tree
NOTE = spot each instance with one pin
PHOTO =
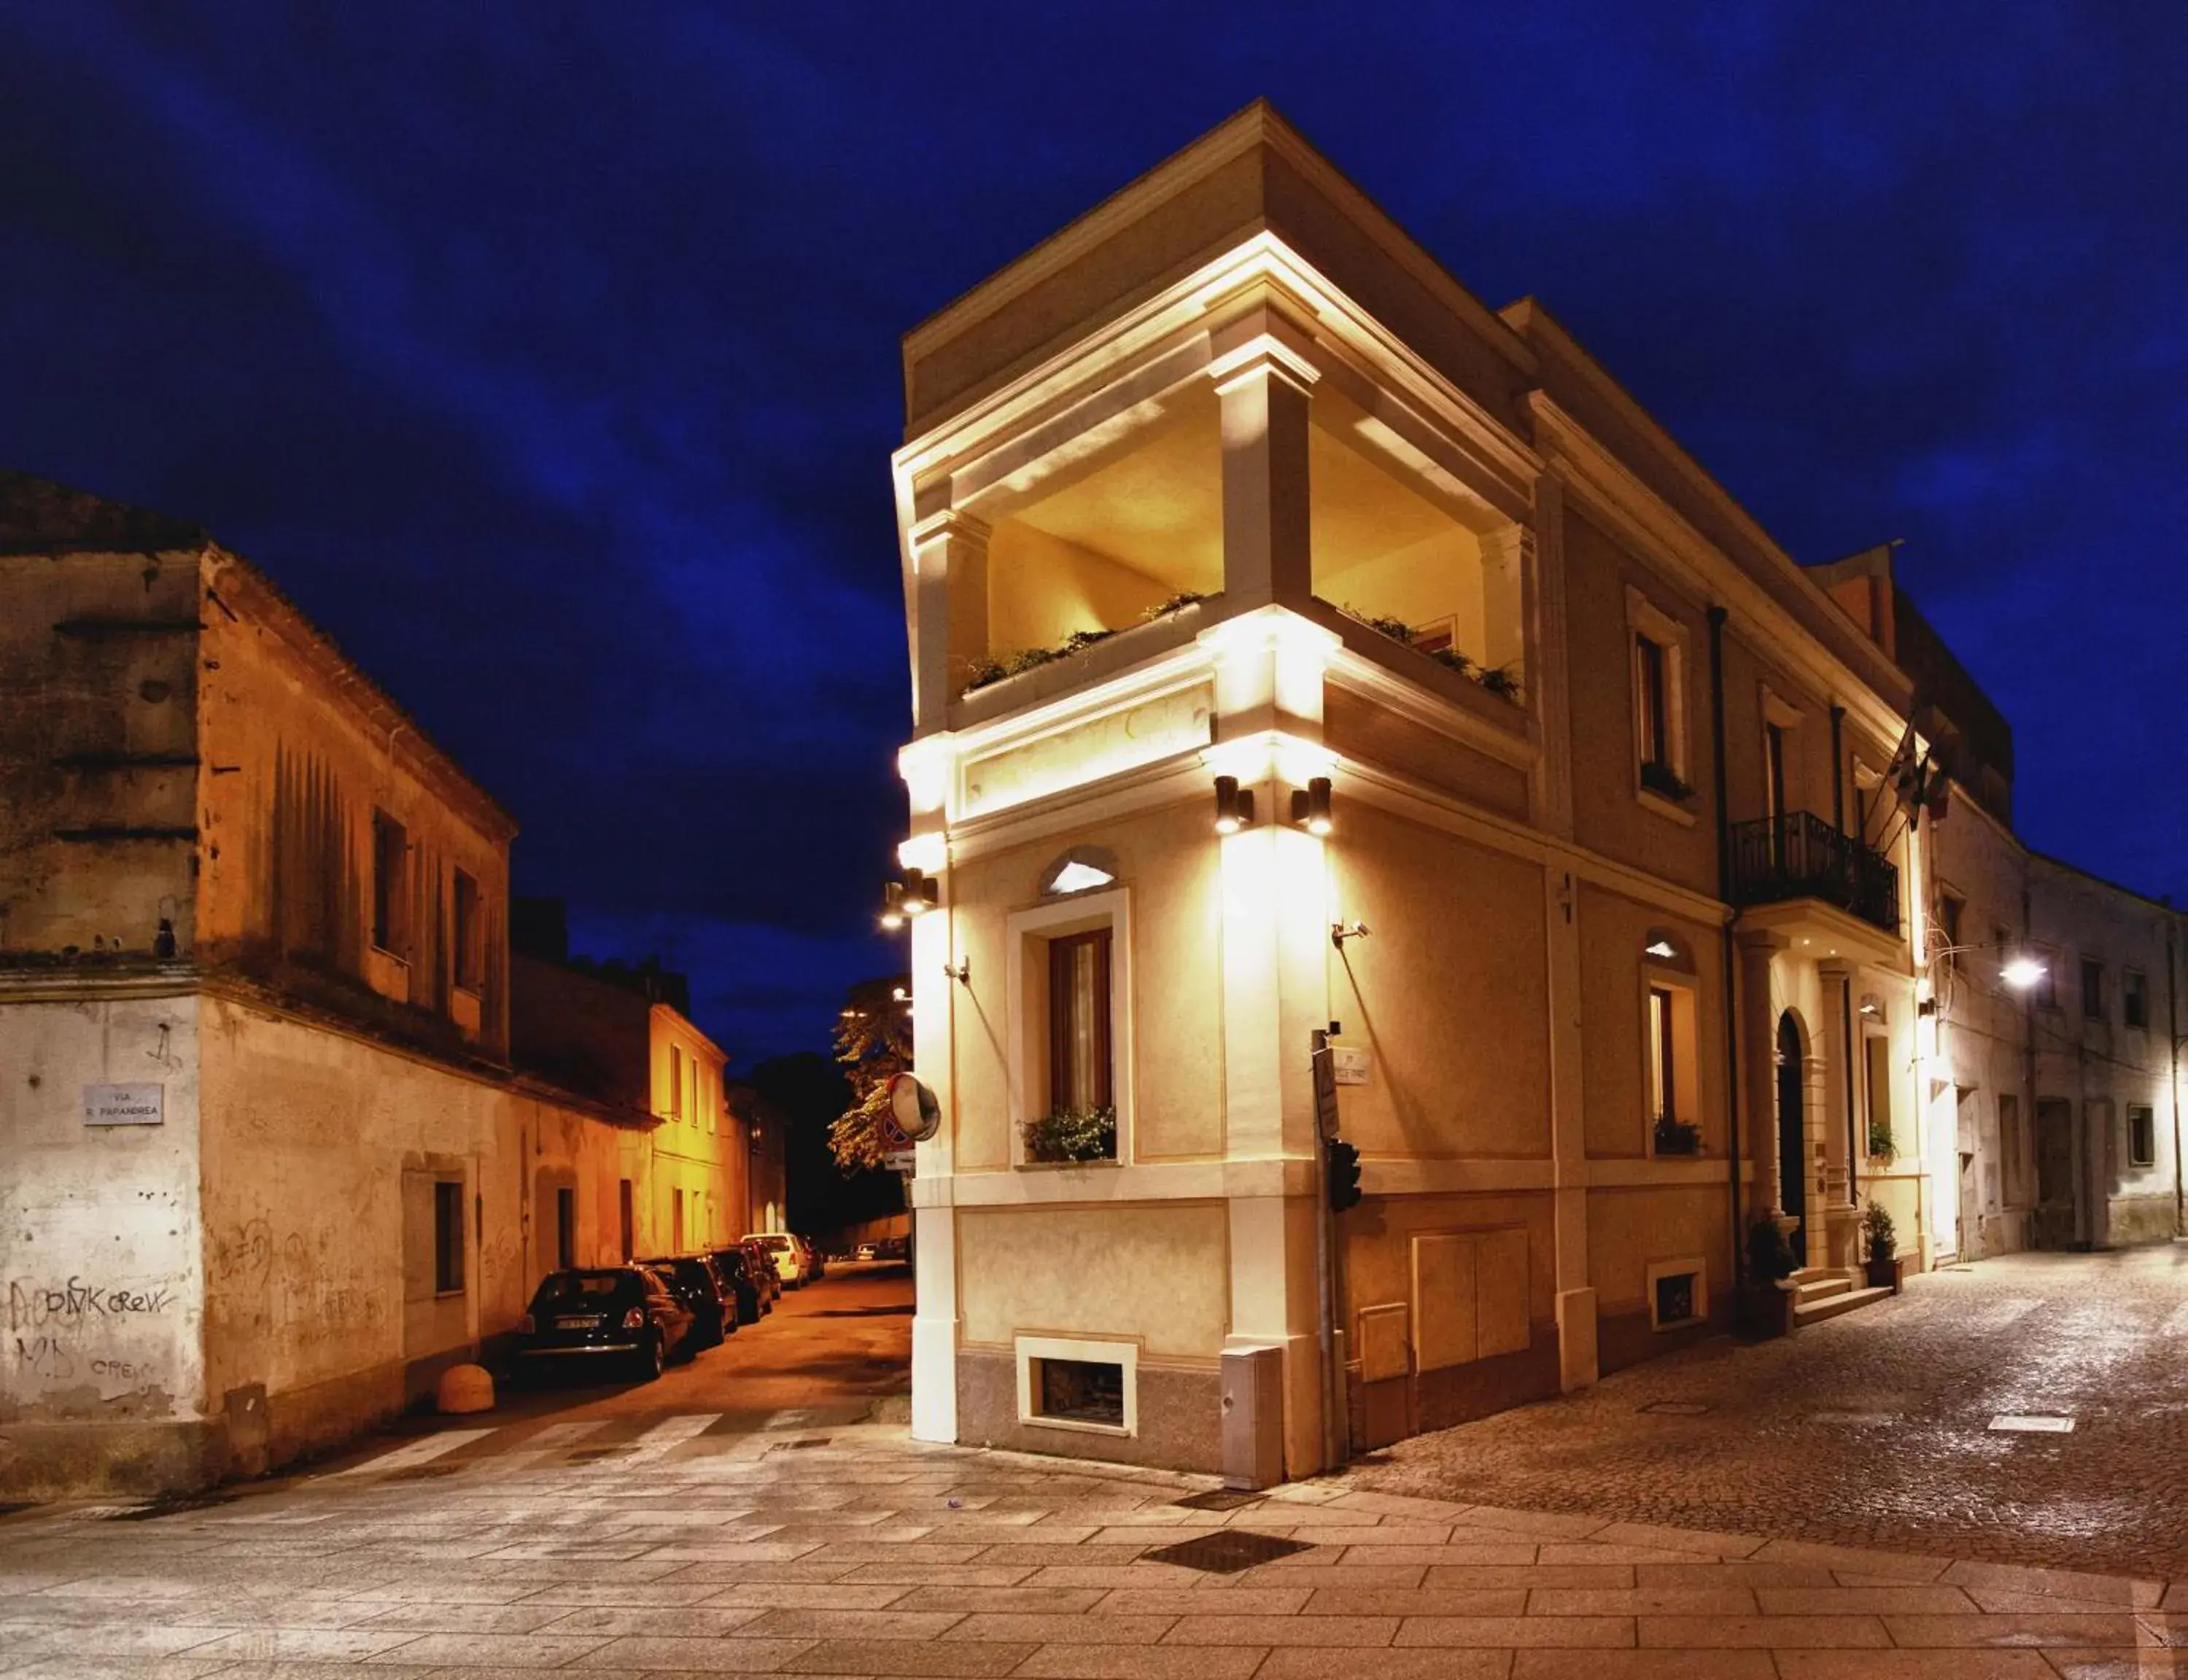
(873, 1043)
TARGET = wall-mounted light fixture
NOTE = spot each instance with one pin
(1311, 806)
(1871, 1005)
(914, 893)
(1340, 932)
(2023, 972)
(1234, 805)
(900, 993)
(960, 971)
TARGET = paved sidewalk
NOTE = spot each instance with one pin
(1874, 1430)
(862, 1553)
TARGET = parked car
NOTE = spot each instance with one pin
(816, 1261)
(624, 1315)
(740, 1272)
(701, 1288)
(794, 1260)
(865, 1252)
(763, 1262)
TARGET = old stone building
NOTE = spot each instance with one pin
(266, 1165)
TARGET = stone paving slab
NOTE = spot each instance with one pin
(912, 1584)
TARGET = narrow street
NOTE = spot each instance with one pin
(829, 1353)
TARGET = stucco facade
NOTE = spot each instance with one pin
(1552, 759)
(267, 1165)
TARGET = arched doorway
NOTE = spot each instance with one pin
(1792, 1125)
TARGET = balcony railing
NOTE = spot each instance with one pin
(1799, 855)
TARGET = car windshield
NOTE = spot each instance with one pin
(779, 1244)
(567, 1291)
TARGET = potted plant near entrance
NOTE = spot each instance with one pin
(1765, 1303)
(1881, 1241)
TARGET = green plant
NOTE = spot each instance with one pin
(1501, 681)
(1451, 659)
(1176, 603)
(1678, 1138)
(1880, 1146)
(1396, 629)
(1878, 1234)
(1770, 1257)
(1071, 1135)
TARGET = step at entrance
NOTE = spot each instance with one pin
(1814, 1310)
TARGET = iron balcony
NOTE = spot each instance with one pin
(1799, 855)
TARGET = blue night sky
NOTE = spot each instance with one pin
(547, 353)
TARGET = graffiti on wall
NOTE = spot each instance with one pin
(66, 1333)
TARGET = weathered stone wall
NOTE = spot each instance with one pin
(102, 1379)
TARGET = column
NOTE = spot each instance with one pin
(1758, 1059)
(1263, 377)
(950, 611)
(1837, 1133)
(1274, 880)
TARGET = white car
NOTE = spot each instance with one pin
(793, 1261)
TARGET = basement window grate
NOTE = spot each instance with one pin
(810, 1441)
(1216, 1499)
(1677, 1408)
(9, 1507)
(424, 1473)
(2032, 1424)
(1227, 1553)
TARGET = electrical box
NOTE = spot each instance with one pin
(1253, 1417)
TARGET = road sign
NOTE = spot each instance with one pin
(901, 1160)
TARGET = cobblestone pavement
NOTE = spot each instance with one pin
(785, 1552)
(1873, 1429)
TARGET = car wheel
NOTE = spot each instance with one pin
(650, 1361)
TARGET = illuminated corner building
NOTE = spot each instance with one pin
(1226, 489)
(268, 1165)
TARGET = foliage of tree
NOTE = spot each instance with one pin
(873, 1046)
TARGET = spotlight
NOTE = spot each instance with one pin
(2021, 973)
(1234, 805)
(912, 894)
(1311, 806)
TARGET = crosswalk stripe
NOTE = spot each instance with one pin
(419, 1452)
(671, 1432)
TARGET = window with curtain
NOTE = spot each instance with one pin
(1079, 1051)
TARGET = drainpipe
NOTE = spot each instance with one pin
(2173, 1034)
(1838, 768)
(1716, 617)
(1853, 1150)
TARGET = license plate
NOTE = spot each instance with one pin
(576, 1323)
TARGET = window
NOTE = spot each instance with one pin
(1952, 912)
(676, 1219)
(470, 940)
(1079, 1061)
(676, 1083)
(1678, 1293)
(1659, 653)
(566, 1229)
(2045, 991)
(1876, 1070)
(447, 1237)
(1069, 982)
(2134, 998)
(2141, 1136)
(2014, 1147)
(1067, 1383)
(390, 850)
(1668, 1034)
(1773, 743)
(2093, 989)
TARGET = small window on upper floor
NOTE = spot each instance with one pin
(2134, 998)
(675, 1082)
(1672, 1055)
(391, 885)
(470, 934)
(2093, 989)
(1659, 650)
(1951, 915)
(447, 1237)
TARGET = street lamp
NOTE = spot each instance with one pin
(2023, 972)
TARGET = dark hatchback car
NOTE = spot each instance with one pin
(702, 1288)
(763, 1270)
(737, 1270)
(621, 1316)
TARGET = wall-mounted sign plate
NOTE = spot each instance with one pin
(124, 1105)
(1352, 1063)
